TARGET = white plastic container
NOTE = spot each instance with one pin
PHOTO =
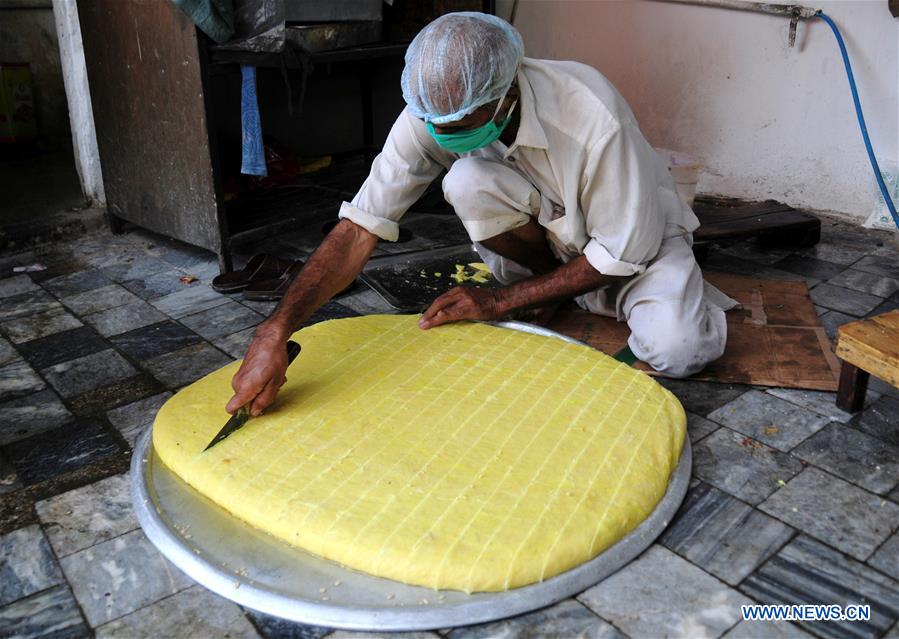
(685, 171)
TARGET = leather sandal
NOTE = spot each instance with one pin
(273, 289)
(260, 267)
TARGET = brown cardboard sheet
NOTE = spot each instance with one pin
(775, 339)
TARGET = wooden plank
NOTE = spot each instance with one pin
(144, 68)
(749, 226)
(873, 345)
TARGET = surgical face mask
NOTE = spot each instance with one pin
(473, 139)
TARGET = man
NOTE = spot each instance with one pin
(554, 183)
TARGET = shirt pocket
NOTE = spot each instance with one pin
(554, 219)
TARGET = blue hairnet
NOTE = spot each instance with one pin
(459, 62)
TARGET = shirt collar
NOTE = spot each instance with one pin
(530, 132)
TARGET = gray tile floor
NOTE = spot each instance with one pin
(792, 501)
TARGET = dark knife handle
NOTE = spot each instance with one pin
(293, 349)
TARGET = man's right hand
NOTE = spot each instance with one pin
(261, 375)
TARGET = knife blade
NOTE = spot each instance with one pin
(242, 416)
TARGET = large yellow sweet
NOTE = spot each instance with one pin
(465, 457)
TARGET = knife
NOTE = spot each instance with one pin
(238, 419)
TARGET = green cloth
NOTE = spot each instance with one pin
(215, 18)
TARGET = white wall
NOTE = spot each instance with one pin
(769, 121)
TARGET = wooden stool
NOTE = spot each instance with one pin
(867, 347)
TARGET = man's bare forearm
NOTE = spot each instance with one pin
(562, 283)
(333, 266)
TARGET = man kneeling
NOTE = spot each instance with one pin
(556, 186)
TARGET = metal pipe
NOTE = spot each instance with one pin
(794, 12)
(787, 10)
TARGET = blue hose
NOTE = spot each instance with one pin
(861, 118)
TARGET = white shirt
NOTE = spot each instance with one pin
(606, 193)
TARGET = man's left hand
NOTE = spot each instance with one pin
(463, 303)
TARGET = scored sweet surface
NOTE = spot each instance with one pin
(466, 457)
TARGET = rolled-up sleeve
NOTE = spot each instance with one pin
(398, 177)
(619, 199)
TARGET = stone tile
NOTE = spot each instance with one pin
(768, 419)
(752, 251)
(879, 265)
(702, 397)
(16, 285)
(86, 516)
(886, 306)
(880, 419)
(861, 459)
(882, 387)
(263, 308)
(60, 451)
(9, 478)
(886, 559)
(25, 329)
(74, 283)
(36, 413)
(819, 310)
(808, 572)
(742, 466)
(97, 402)
(832, 320)
(698, 427)
(186, 365)
(61, 347)
(18, 379)
(195, 612)
(124, 318)
(809, 267)
(135, 268)
(49, 614)
(834, 253)
(663, 595)
(820, 402)
(723, 535)
(28, 565)
(158, 285)
(834, 511)
(27, 303)
(188, 301)
(844, 300)
(879, 285)
(154, 340)
(766, 630)
(7, 352)
(100, 299)
(222, 320)
(119, 576)
(183, 256)
(366, 302)
(236, 344)
(566, 619)
(88, 373)
(132, 419)
(276, 628)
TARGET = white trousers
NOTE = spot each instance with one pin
(676, 318)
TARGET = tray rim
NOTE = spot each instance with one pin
(483, 608)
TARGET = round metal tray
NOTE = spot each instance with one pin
(256, 570)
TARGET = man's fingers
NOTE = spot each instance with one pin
(440, 305)
(265, 398)
(445, 315)
(241, 398)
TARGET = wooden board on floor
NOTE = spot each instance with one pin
(776, 339)
(723, 218)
